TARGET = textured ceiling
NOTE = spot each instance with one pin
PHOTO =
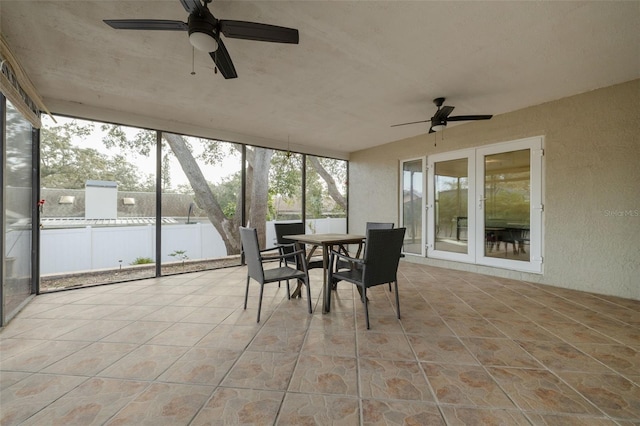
(360, 67)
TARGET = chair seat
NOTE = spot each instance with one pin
(315, 264)
(351, 275)
(282, 274)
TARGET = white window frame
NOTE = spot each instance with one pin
(468, 257)
(536, 206)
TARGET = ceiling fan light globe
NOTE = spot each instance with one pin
(438, 127)
(203, 41)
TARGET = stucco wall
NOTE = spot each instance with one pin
(591, 193)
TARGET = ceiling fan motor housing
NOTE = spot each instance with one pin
(202, 33)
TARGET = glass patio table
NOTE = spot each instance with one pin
(326, 241)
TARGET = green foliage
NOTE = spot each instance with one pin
(285, 181)
(314, 201)
(227, 193)
(180, 254)
(142, 261)
(315, 193)
(285, 174)
(66, 165)
(215, 152)
(116, 137)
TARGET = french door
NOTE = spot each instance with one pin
(484, 205)
(412, 204)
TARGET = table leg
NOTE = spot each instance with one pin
(298, 291)
(326, 300)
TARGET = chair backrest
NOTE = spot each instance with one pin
(379, 225)
(287, 228)
(382, 254)
(251, 248)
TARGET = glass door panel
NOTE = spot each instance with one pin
(326, 195)
(16, 270)
(412, 204)
(485, 205)
(285, 192)
(507, 194)
(509, 205)
(201, 204)
(451, 206)
(97, 223)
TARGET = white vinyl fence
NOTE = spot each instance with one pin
(89, 248)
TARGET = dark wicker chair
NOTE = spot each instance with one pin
(341, 264)
(378, 265)
(255, 268)
(292, 228)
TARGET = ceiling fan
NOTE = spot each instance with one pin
(204, 32)
(440, 118)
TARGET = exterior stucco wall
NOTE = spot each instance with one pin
(591, 189)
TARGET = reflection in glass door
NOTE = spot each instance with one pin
(412, 204)
(17, 165)
(507, 192)
(509, 205)
(451, 206)
(485, 205)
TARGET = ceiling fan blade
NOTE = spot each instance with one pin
(146, 24)
(191, 5)
(442, 113)
(258, 32)
(413, 122)
(469, 117)
(223, 61)
(431, 130)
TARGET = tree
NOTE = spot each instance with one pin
(324, 176)
(64, 165)
(215, 200)
(213, 153)
(327, 175)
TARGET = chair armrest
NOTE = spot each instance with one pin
(270, 256)
(341, 256)
(270, 249)
(280, 256)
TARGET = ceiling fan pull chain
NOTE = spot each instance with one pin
(193, 60)
(215, 66)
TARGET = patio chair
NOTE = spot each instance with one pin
(370, 225)
(287, 246)
(255, 266)
(523, 240)
(378, 265)
(509, 236)
(291, 228)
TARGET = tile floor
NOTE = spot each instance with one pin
(470, 349)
